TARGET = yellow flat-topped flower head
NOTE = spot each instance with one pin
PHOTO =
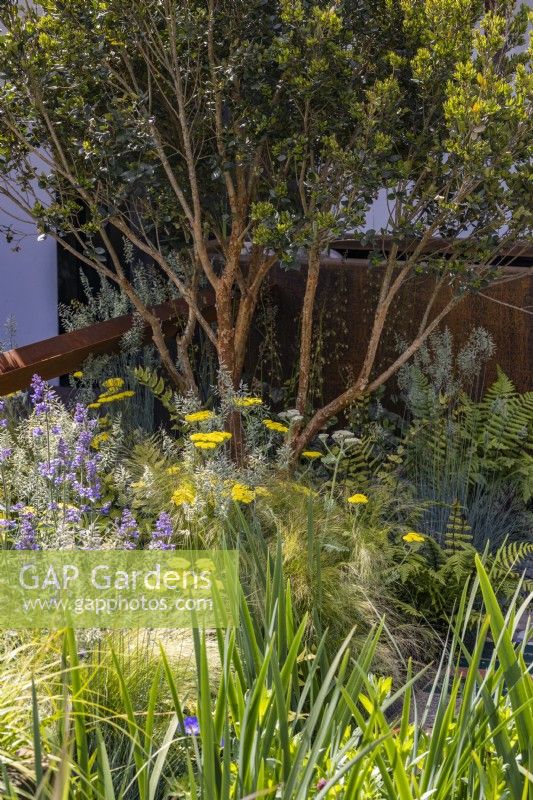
(311, 454)
(413, 536)
(78, 374)
(184, 495)
(205, 445)
(272, 425)
(99, 439)
(198, 416)
(247, 402)
(212, 437)
(358, 499)
(113, 384)
(115, 398)
(242, 494)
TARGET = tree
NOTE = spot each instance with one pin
(239, 133)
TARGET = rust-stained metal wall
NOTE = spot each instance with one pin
(346, 300)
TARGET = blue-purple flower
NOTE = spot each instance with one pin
(5, 453)
(28, 537)
(191, 726)
(163, 533)
(128, 530)
(40, 395)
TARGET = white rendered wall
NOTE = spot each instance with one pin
(28, 283)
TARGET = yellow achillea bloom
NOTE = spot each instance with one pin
(198, 416)
(312, 454)
(78, 374)
(413, 536)
(275, 426)
(113, 384)
(173, 470)
(184, 495)
(93, 405)
(114, 398)
(99, 439)
(357, 499)
(205, 445)
(242, 494)
(247, 402)
(213, 437)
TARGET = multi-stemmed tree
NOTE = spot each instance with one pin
(222, 137)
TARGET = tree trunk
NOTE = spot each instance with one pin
(306, 336)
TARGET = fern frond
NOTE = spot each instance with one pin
(156, 384)
(510, 556)
(458, 533)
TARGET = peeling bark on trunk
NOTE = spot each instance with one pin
(306, 337)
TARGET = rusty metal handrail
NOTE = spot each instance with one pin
(66, 353)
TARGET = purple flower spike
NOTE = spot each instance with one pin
(28, 538)
(72, 515)
(163, 533)
(5, 453)
(128, 530)
(40, 395)
(80, 414)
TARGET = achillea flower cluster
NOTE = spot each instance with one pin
(198, 416)
(413, 536)
(113, 384)
(242, 494)
(272, 425)
(311, 454)
(112, 393)
(358, 499)
(112, 398)
(99, 439)
(208, 441)
(184, 495)
(247, 402)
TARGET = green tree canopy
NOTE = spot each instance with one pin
(221, 137)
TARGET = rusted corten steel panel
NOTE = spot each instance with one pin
(347, 297)
(66, 353)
